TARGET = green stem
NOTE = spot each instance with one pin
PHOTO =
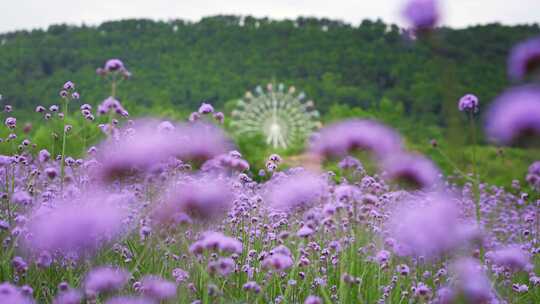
(113, 86)
(8, 207)
(476, 183)
(62, 159)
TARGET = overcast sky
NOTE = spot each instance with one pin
(29, 14)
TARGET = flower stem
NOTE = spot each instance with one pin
(476, 183)
(62, 159)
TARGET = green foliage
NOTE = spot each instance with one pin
(177, 64)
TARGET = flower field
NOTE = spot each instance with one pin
(163, 211)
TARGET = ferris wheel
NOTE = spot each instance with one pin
(280, 114)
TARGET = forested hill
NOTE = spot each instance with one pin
(179, 63)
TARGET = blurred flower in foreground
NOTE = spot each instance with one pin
(515, 115)
(278, 261)
(146, 144)
(422, 15)
(524, 59)
(297, 190)
(429, 226)
(12, 295)
(69, 296)
(201, 141)
(105, 279)
(313, 300)
(216, 241)
(157, 288)
(512, 258)
(76, 228)
(139, 148)
(129, 300)
(415, 171)
(471, 281)
(199, 198)
(341, 138)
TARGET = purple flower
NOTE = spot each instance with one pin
(252, 286)
(511, 257)
(22, 198)
(412, 170)
(10, 294)
(86, 107)
(206, 108)
(75, 228)
(305, 231)
(157, 288)
(203, 199)
(180, 275)
(166, 126)
(534, 168)
(520, 288)
(11, 122)
(422, 290)
(113, 65)
(278, 261)
(403, 270)
(111, 104)
(8, 108)
(105, 279)
(40, 109)
(382, 256)
(129, 300)
(27, 290)
(44, 259)
(4, 225)
(225, 161)
(275, 158)
(428, 226)
(298, 190)
(140, 149)
(69, 86)
(44, 156)
(422, 14)
(19, 264)
(216, 241)
(69, 296)
(5, 160)
(202, 141)
(349, 162)
(341, 138)
(472, 283)
(524, 59)
(533, 175)
(313, 300)
(195, 116)
(445, 295)
(514, 115)
(219, 117)
(51, 172)
(223, 266)
(468, 103)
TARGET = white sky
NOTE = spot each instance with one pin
(29, 14)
